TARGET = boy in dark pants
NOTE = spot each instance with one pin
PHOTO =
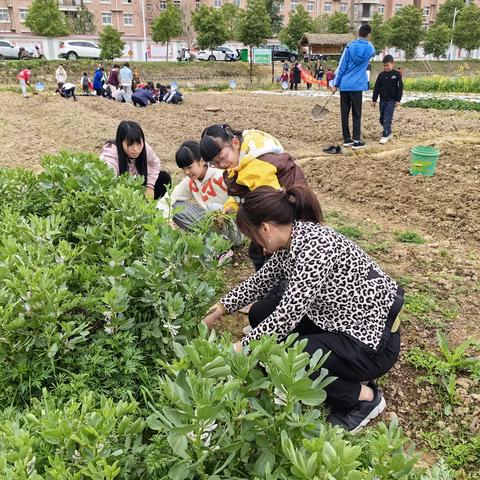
(351, 80)
(389, 86)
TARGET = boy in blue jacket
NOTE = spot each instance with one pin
(351, 80)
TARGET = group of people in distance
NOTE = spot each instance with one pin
(310, 280)
(121, 84)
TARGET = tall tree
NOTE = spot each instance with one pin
(209, 23)
(447, 10)
(437, 40)
(339, 23)
(320, 23)
(467, 28)
(46, 19)
(405, 30)
(167, 25)
(299, 24)
(255, 27)
(231, 14)
(111, 43)
(83, 22)
(273, 9)
(379, 35)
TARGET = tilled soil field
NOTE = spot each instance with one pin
(369, 194)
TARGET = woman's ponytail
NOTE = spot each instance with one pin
(283, 207)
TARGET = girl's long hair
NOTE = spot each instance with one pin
(188, 153)
(214, 139)
(283, 207)
(131, 132)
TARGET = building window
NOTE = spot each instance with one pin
(126, 2)
(426, 11)
(163, 5)
(23, 14)
(237, 3)
(310, 6)
(4, 17)
(104, 1)
(328, 7)
(398, 7)
(197, 4)
(217, 3)
(343, 7)
(355, 8)
(381, 9)
(128, 19)
(106, 18)
(293, 5)
(281, 6)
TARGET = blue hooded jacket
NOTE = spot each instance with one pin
(97, 79)
(351, 74)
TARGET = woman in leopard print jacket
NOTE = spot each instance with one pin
(337, 298)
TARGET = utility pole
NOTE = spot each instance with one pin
(452, 52)
(145, 31)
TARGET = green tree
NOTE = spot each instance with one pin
(379, 35)
(255, 27)
(320, 23)
(273, 9)
(83, 22)
(232, 15)
(46, 19)
(167, 25)
(447, 10)
(338, 23)
(299, 24)
(437, 40)
(467, 28)
(405, 30)
(111, 43)
(209, 23)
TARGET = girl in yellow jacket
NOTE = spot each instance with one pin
(250, 159)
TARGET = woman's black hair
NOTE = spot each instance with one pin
(188, 153)
(210, 146)
(131, 132)
(283, 207)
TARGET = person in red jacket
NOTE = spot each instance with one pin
(24, 78)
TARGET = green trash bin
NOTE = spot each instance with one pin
(244, 54)
(423, 160)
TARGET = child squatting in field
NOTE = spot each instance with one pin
(336, 298)
(250, 159)
(129, 152)
(203, 190)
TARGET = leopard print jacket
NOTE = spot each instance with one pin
(329, 279)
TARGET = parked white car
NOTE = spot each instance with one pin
(8, 50)
(74, 49)
(225, 54)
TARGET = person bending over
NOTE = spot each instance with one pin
(130, 153)
(337, 298)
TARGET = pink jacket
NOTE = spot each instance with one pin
(110, 156)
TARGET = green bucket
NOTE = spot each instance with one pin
(424, 160)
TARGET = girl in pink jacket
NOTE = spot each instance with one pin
(130, 153)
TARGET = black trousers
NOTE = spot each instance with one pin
(163, 181)
(349, 360)
(351, 101)
(138, 103)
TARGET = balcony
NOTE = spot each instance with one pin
(366, 2)
(69, 5)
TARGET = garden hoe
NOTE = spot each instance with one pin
(318, 112)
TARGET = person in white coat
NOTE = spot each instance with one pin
(60, 74)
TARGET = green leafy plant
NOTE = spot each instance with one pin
(409, 237)
(443, 104)
(436, 83)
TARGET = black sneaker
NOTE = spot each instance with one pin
(361, 414)
(358, 145)
(348, 143)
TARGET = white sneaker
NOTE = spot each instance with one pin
(384, 140)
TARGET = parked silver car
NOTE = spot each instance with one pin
(9, 50)
(74, 49)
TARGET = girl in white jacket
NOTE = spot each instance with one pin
(201, 191)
